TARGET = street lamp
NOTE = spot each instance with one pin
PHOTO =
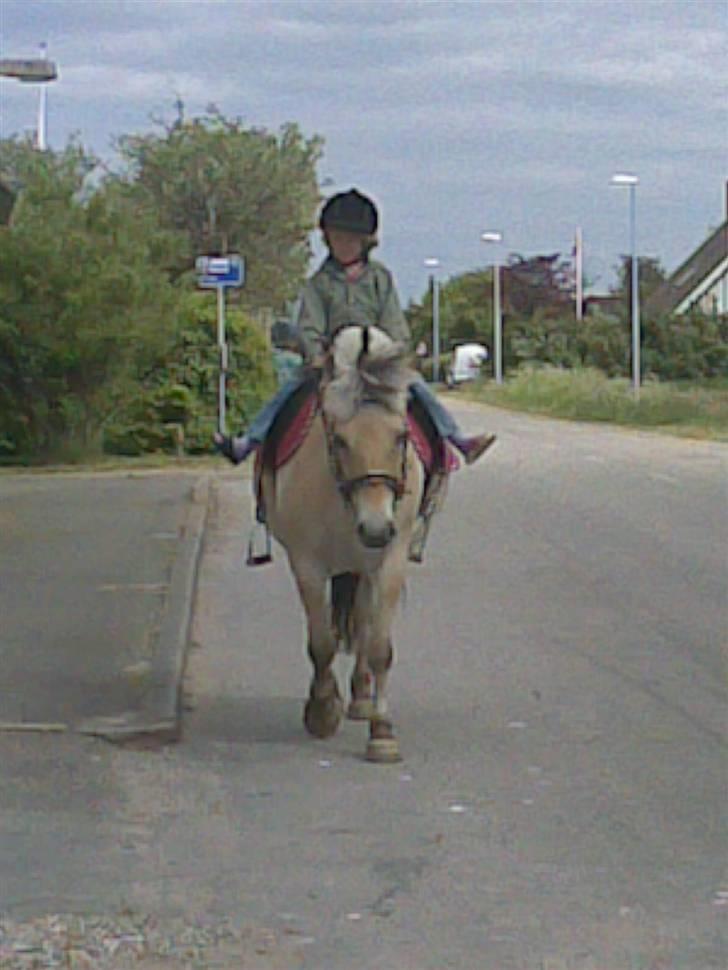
(632, 182)
(496, 237)
(432, 264)
(35, 71)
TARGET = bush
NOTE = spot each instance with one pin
(688, 347)
(673, 348)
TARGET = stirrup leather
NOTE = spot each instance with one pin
(419, 538)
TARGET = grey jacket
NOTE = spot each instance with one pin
(329, 302)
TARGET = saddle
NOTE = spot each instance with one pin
(291, 427)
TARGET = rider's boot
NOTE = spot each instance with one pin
(234, 449)
(472, 447)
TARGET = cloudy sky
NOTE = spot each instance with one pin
(457, 117)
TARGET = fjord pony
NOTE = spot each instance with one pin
(344, 508)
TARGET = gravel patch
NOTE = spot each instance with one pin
(134, 942)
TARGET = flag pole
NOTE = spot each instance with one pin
(579, 252)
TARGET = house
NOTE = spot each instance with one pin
(700, 283)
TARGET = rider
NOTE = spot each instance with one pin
(350, 288)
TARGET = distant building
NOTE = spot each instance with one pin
(607, 305)
(700, 283)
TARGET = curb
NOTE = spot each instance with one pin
(157, 719)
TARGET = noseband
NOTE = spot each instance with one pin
(348, 486)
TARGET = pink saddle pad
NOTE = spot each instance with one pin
(447, 458)
(294, 435)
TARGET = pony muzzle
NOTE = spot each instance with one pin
(373, 501)
(376, 535)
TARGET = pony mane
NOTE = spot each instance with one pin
(366, 368)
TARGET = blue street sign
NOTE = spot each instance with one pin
(216, 271)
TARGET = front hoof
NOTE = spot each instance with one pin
(322, 715)
(383, 747)
(360, 709)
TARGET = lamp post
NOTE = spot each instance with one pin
(433, 264)
(496, 237)
(34, 71)
(632, 182)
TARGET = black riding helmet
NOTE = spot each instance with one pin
(351, 211)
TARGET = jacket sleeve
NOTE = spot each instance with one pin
(312, 322)
(392, 320)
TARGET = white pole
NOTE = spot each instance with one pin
(579, 274)
(42, 116)
(496, 237)
(432, 263)
(635, 289)
(435, 329)
(222, 418)
(497, 324)
(632, 181)
(42, 107)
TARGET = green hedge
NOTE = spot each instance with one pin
(175, 407)
(690, 347)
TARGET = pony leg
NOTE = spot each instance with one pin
(383, 747)
(361, 706)
(324, 708)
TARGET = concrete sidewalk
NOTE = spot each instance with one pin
(96, 580)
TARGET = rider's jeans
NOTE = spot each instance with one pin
(441, 417)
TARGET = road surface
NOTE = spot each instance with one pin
(559, 693)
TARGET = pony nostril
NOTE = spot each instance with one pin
(376, 538)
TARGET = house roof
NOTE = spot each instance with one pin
(689, 278)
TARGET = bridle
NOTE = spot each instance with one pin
(348, 486)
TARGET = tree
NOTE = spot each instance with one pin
(537, 283)
(466, 311)
(651, 274)
(84, 304)
(228, 188)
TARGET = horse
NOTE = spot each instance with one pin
(344, 508)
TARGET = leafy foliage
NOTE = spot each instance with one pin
(225, 187)
(651, 274)
(102, 338)
(83, 303)
(178, 401)
(540, 329)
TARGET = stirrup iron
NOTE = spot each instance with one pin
(259, 546)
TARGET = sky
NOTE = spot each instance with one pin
(456, 117)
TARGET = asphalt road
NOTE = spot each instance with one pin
(86, 569)
(559, 693)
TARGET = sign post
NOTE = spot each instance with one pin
(218, 273)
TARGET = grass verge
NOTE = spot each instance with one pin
(694, 410)
(118, 463)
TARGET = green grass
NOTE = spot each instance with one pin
(697, 410)
(119, 463)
